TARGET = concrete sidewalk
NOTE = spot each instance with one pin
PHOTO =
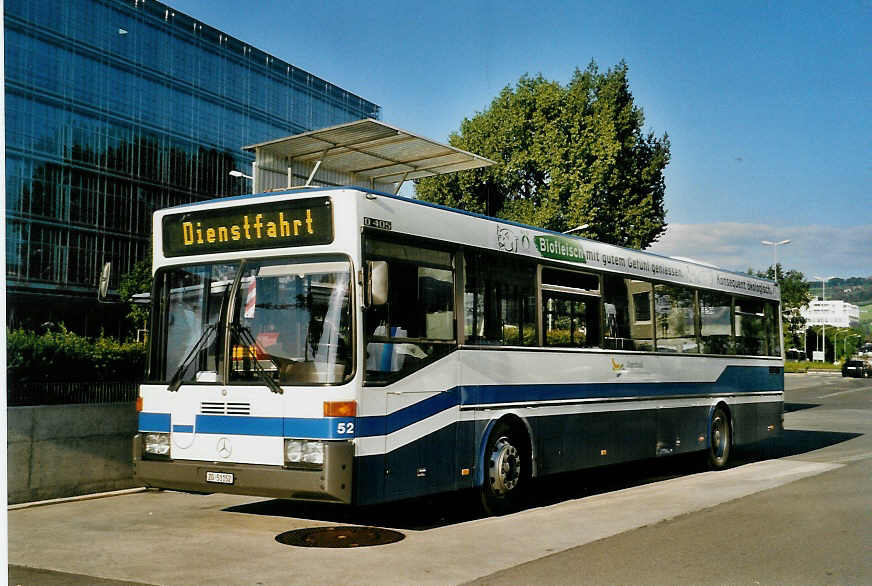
(175, 538)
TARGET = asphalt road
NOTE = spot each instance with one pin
(796, 510)
(817, 530)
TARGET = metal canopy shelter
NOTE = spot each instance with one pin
(365, 150)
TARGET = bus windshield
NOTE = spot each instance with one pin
(279, 321)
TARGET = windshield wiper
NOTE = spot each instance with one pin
(176, 381)
(245, 336)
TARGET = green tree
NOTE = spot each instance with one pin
(62, 356)
(138, 280)
(841, 343)
(794, 295)
(566, 156)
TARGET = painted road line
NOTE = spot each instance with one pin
(845, 392)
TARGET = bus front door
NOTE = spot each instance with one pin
(420, 442)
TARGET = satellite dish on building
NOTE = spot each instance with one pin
(103, 288)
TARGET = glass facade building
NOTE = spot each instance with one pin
(115, 108)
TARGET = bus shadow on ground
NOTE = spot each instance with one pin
(792, 442)
(792, 407)
(441, 510)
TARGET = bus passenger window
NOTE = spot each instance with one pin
(500, 301)
(627, 314)
(773, 329)
(750, 327)
(570, 321)
(715, 323)
(416, 324)
(570, 309)
(676, 330)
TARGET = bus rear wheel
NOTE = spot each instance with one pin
(507, 470)
(720, 439)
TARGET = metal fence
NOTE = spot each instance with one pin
(22, 394)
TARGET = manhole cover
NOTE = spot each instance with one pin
(339, 537)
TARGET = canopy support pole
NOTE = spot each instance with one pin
(315, 170)
(400, 182)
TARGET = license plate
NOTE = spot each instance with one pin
(219, 477)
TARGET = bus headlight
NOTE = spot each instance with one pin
(300, 453)
(313, 453)
(156, 444)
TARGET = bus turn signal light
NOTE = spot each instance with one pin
(340, 408)
(139, 404)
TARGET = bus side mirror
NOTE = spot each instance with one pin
(377, 282)
(103, 287)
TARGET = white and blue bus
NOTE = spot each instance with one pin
(346, 345)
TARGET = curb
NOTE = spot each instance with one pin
(73, 499)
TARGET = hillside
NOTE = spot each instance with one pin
(856, 290)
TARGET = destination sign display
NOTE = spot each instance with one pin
(294, 222)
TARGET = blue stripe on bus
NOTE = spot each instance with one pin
(385, 424)
(296, 427)
(734, 379)
(239, 425)
(154, 422)
(326, 428)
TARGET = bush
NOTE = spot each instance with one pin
(805, 365)
(795, 366)
(62, 356)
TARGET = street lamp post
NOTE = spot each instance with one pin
(235, 173)
(836, 344)
(774, 246)
(578, 229)
(823, 323)
(845, 344)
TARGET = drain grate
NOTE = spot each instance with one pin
(339, 537)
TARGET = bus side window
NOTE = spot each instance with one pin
(716, 330)
(750, 327)
(773, 328)
(416, 324)
(570, 309)
(500, 301)
(674, 309)
(627, 314)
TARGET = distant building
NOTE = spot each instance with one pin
(831, 313)
(115, 108)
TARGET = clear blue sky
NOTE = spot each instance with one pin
(768, 105)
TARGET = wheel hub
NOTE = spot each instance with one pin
(505, 467)
(717, 433)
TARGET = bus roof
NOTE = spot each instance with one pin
(773, 292)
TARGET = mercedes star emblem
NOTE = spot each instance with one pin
(224, 448)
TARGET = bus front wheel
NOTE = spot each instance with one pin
(507, 470)
(720, 439)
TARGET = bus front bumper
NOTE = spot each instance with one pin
(332, 483)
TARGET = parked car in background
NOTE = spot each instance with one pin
(857, 368)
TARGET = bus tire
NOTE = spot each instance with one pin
(507, 470)
(720, 439)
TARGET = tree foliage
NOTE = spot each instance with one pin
(840, 343)
(566, 156)
(138, 280)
